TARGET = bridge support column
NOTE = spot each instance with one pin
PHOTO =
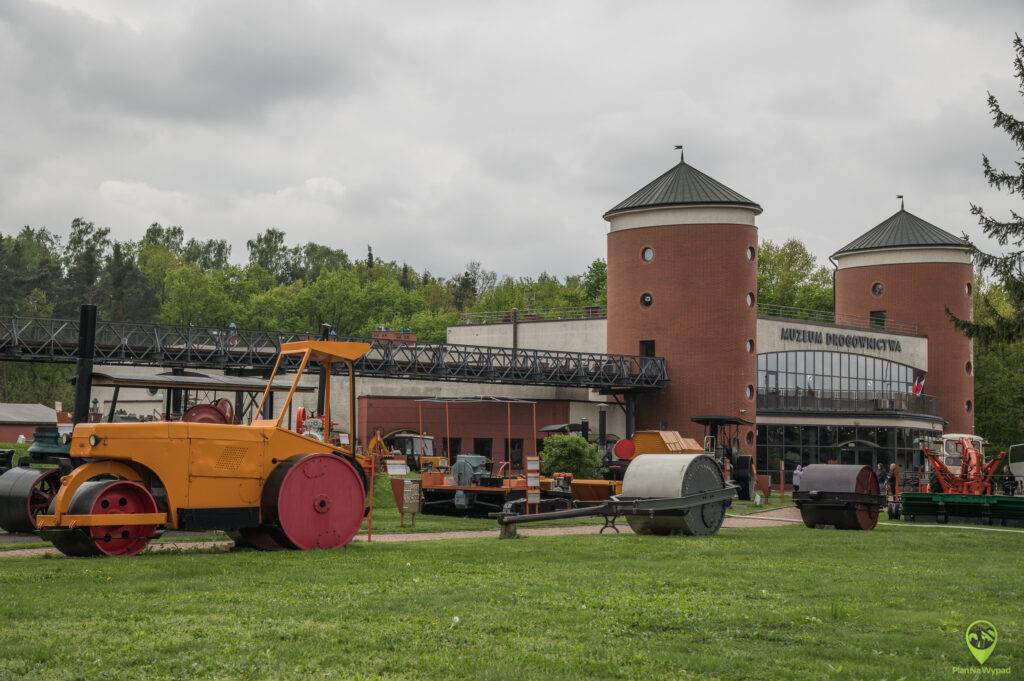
(83, 368)
(630, 414)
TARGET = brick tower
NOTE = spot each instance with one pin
(909, 270)
(682, 284)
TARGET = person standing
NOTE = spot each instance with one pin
(798, 473)
(880, 474)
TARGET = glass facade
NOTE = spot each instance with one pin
(865, 445)
(800, 371)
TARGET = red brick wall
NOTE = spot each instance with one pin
(9, 432)
(920, 293)
(699, 319)
(466, 421)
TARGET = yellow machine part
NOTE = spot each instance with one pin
(665, 442)
(200, 465)
(197, 466)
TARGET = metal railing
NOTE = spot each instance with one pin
(823, 317)
(42, 339)
(533, 315)
(856, 401)
(763, 310)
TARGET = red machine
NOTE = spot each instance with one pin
(975, 476)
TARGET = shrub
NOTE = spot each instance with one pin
(570, 454)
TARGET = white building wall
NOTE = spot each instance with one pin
(572, 335)
(911, 350)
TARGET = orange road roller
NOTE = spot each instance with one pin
(267, 486)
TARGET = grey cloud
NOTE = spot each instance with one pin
(445, 132)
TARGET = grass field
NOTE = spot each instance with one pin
(386, 520)
(778, 603)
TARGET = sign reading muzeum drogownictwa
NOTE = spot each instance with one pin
(841, 340)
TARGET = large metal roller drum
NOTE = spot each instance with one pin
(675, 475)
(24, 494)
(846, 497)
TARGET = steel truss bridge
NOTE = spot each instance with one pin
(43, 339)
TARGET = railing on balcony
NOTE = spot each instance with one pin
(823, 317)
(846, 401)
(533, 315)
(763, 310)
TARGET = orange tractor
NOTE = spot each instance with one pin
(267, 486)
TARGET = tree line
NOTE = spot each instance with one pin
(166, 277)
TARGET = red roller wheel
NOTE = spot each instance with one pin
(98, 497)
(24, 494)
(624, 450)
(314, 501)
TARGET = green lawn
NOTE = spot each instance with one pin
(20, 450)
(740, 507)
(775, 603)
(386, 520)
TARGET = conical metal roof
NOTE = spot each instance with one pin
(683, 185)
(902, 230)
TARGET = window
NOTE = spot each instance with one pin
(750, 300)
(482, 446)
(515, 452)
(453, 446)
(877, 289)
(751, 253)
(877, 319)
(968, 366)
(967, 406)
(647, 254)
(750, 345)
(968, 288)
(647, 348)
(646, 299)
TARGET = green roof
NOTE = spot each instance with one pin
(902, 230)
(683, 185)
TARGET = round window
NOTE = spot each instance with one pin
(751, 252)
(750, 300)
(646, 299)
(968, 288)
(878, 288)
(647, 254)
(968, 367)
(750, 392)
(967, 405)
(750, 345)
(750, 438)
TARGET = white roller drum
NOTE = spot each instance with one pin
(655, 476)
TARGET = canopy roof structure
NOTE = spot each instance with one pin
(682, 185)
(190, 381)
(902, 230)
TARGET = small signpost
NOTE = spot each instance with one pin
(532, 483)
(408, 497)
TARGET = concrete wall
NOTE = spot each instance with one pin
(573, 335)
(902, 348)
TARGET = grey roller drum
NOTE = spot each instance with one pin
(846, 497)
(652, 476)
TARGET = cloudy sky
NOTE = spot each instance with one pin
(447, 132)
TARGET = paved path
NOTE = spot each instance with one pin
(763, 519)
